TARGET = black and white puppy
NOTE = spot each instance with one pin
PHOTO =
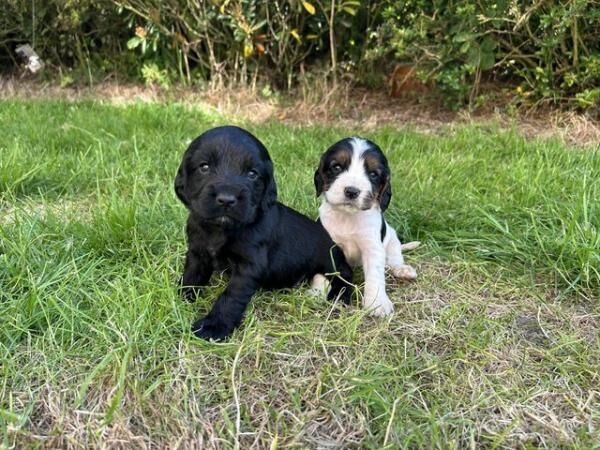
(353, 180)
(235, 223)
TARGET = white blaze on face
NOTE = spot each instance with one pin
(355, 176)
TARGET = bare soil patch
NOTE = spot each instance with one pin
(345, 106)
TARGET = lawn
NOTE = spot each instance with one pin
(495, 345)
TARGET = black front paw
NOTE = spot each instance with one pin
(211, 328)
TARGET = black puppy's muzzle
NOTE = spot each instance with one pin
(225, 204)
(226, 200)
(228, 195)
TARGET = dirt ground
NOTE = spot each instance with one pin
(345, 106)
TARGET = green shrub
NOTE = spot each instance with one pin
(235, 40)
(83, 34)
(551, 49)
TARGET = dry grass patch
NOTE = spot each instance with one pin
(42, 210)
(345, 106)
(463, 361)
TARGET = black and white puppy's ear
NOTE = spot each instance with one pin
(320, 177)
(180, 182)
(385, 193)
(270, 195)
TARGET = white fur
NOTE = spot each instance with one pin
(358, 233)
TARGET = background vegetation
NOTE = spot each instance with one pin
(548, 51)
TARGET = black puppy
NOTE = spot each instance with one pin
(235, 223)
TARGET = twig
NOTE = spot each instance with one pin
(389, 425)
(236, 399)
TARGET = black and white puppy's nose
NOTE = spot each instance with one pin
(226, 200)
(351, 192)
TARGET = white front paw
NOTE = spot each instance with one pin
(380, 306)
(404, 272)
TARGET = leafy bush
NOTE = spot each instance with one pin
(549, 51)
(552, 49)
(235, 40)
(83, 34)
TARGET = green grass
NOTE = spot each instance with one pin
(496, 345)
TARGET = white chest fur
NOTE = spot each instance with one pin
(348, 229)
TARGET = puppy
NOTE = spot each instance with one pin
(353, 180)
(235, 223)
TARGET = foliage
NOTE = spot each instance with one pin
(551, 49)
(547, 50)
(81, 34)
(235, 40)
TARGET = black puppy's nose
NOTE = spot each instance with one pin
(351, 192)
(226, 199)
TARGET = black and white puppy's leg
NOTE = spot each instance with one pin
(394, 259)
(375, 299)
(228, 311)
(196, 273)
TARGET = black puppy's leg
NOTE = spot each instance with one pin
(341, 282)
(229, 308)
(197, 271)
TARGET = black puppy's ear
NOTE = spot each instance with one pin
(385, 194)
(270, 196)
(319, 179)
(180, 182)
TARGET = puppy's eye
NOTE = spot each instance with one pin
(204, 168)
(336, 168)
(252, 174)
(374, 176)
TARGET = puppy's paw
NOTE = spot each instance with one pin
(211, 328)
(319, 286)
(404, 272)
(381, 306)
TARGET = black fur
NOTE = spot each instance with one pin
(383, 228)
(235, 222)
